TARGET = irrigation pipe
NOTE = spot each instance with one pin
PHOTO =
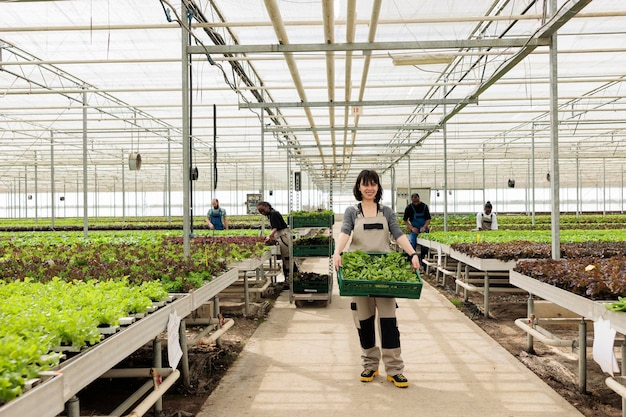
(216, 334)
(158, 392)
(545, 336)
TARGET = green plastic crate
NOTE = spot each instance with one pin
(313, 250)
(313, 220)
(361, 288)
(366, 288)
(309, 286)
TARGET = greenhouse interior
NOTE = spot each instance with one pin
(135, 116)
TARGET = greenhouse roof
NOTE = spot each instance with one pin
(323, 87)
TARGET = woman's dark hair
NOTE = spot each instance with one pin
(367, 176)
(488, 205)
(264, 204)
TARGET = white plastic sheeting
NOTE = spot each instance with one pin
(298, 56)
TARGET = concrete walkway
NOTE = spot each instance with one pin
(305, 362)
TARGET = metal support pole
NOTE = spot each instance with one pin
(532, 152)
(184, 361)
(582, 356)
(217, 315)
(554, 142)
(52, 197)
(123, 189)
(484, 194)
(486, 294)
(246, 293)
(577, 187)
(169, 178)
(530, 303)
(37, 191)
(445, 161)
(623, 374)
(72, 407)
(186, 140)
(157, 362)
(26, 192)
(85, 186)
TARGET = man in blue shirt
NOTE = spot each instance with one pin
(216, 216)
(417, 219)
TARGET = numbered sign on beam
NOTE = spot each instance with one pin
(297, 181)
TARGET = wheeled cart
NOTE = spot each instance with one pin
(308, 287)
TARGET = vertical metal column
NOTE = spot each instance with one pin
(578, 207)
(26, 192)
(530, 303)
(169, 177)
(185, 126)
(85, 185)
(72, 407)
(532, 153)
(554, 142)
(582, 356)
(52, 197)
(37, 191)
(123, 189)
(184, 361)
(445, 160)
(157, 363)
(623, 374)
(409, 190)
(484, 184)
(603, 186)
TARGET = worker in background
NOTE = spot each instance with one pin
(486, 219)
(371, 226)
(282, 234)
(417, 219)
(216, 216)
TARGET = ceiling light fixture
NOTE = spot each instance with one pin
(423, 59)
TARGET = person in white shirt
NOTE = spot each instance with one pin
(486, 219)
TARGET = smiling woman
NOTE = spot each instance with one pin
(370, 226)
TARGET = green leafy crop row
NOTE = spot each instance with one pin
(392, 266)
(48, 281)
(36, 317)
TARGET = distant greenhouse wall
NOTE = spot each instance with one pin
(143, 204)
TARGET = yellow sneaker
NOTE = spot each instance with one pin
(368, 375)
(398, 380)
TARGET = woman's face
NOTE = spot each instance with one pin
(368, 190)
(263, 210)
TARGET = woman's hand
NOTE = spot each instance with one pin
(337, 260)
(415, 262)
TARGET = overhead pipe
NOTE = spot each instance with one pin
(240, 24)
(350, 37)
(373, 25)
(328, 7)
(281, 34)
